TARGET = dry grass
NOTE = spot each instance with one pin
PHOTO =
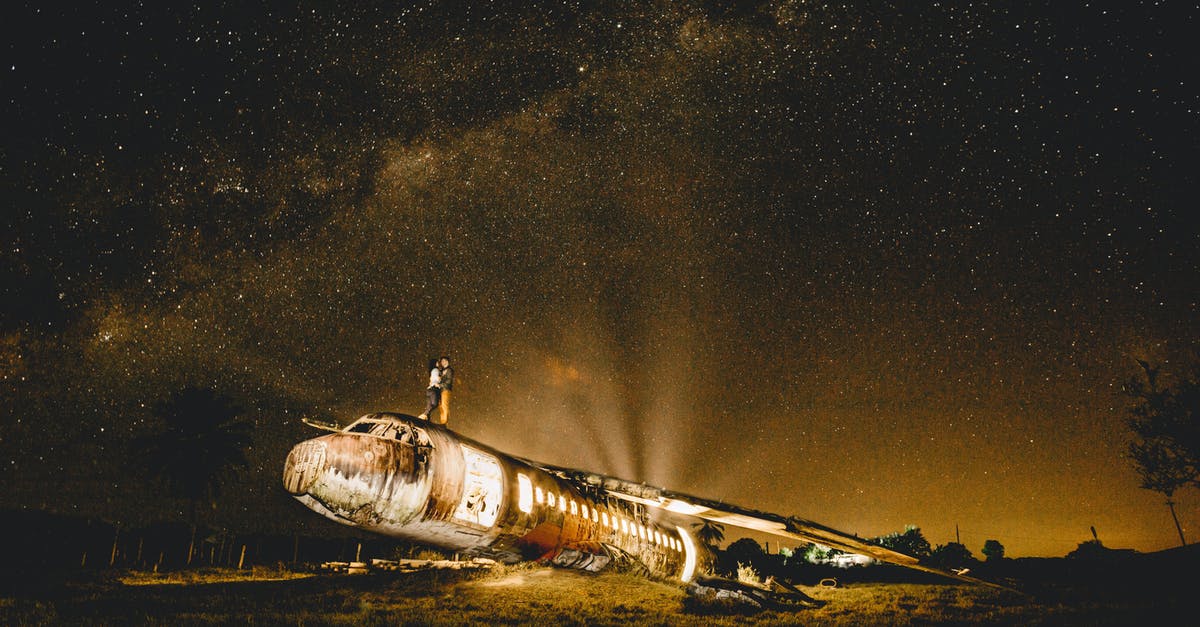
(514, 596)
(208, 575)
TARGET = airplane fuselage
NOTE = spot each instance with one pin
(406, 478)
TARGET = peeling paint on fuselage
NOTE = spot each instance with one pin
(403, 477)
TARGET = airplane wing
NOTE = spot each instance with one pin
(766, 522)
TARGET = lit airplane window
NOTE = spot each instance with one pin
(562, 503)
(583, 508)
(539, 495)
(574, 509)
(524, 494)
(604, 517)
(624, 525)
(550, 499)
(595, 515)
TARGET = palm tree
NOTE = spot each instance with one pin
(710, 533)
(200, 441)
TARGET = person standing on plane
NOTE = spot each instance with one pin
(433, 393)
(446, 383)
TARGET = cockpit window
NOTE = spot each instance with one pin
(391, 430)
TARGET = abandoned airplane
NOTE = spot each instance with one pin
(403, 477)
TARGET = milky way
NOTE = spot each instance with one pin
(872, 267)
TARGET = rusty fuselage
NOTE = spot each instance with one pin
(406, 478)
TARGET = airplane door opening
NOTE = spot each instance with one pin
(483, 488)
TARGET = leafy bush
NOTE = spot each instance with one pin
(911, 542)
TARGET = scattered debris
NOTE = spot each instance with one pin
(774, 595)
(403, 565)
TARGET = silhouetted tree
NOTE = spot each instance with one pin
(1166, 425)
(911, 542)
(952, 555)
(200, 441)
(993, 550)
(743, 551)
(709, 533)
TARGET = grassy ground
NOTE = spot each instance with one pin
(522, 595)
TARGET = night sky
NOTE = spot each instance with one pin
(868, 265)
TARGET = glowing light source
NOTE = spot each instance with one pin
(689, 555)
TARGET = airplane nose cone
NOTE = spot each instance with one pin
(304, 464)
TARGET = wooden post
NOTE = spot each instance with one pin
(957, 539)
(358, 553)
(242, 559)
(191, 546)
(112, 558)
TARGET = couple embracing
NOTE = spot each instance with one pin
(441, 382)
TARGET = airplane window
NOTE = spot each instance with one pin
(562, 503)
(539, 495)
(550, 499)
(595, 516)
(524, 494)
(362, 427)
(574, 509)
(584, 509)
(624, 525)
(604, 517)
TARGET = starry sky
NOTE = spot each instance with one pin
(872, 265)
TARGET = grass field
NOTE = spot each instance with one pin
(529, 595)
